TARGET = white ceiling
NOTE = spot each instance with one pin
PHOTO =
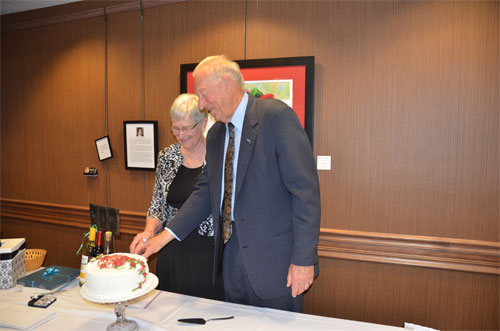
(14, 6)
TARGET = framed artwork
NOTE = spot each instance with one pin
(141, 144)
(290, 79)
(103, 147)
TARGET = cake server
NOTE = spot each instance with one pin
(201, 320)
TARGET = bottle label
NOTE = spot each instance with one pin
(85, 260)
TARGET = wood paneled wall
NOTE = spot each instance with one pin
(389, 294)
(129, 190)
(406, 103)
(52, 111)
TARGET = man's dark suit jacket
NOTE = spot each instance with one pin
(277, 204)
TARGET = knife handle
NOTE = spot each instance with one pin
(192, 320)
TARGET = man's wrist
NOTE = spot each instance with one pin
(171, 233)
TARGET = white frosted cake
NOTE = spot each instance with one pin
(116, 275)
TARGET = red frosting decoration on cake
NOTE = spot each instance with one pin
(116, 261)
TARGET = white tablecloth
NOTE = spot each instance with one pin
(74, 313)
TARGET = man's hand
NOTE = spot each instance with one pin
(153, 245)
(148, 247)
(300, 278)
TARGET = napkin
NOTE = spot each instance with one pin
(416, 327)
(144, 301)
(23, 317)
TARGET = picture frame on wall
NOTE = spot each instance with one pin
(103, 147)
(290, 79)
(141, 144)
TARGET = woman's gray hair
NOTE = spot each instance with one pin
(218, 65)
(186, 104)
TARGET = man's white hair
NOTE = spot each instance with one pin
(218, 66)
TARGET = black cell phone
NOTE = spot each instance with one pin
(43, 301)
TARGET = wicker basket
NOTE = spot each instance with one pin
(34, 258)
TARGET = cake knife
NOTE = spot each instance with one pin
(201, 320)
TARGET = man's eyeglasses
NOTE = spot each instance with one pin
(184, 129)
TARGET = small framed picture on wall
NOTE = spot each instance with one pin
(103, 147)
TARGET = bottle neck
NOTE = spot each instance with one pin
(99, 236)
(108, 244)
(92, 234)
(108, 237)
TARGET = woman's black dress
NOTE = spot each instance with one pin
(185, 267)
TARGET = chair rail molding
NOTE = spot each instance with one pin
(72, 216)
(419, 251)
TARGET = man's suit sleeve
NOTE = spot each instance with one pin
(298, 171)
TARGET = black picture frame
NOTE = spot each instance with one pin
(103, 147)
(307, 62)
(141, 145)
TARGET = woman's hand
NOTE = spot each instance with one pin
(138, 245)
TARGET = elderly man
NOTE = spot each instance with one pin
(261, 186)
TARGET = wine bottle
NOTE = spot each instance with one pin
(98, 249)
(108, 243)
(86, 254)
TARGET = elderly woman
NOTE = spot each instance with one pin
(183, 267)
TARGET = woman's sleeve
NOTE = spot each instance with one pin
(158, 200)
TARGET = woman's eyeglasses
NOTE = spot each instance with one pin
(184, 129)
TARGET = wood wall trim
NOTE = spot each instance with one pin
(432, 252)
(70, 17)
(136, 5)
(54, 20)
(73, 216)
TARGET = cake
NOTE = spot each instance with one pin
(116, 275)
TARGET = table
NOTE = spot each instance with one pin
(74, 313)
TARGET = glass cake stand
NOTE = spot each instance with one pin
(121, 323)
